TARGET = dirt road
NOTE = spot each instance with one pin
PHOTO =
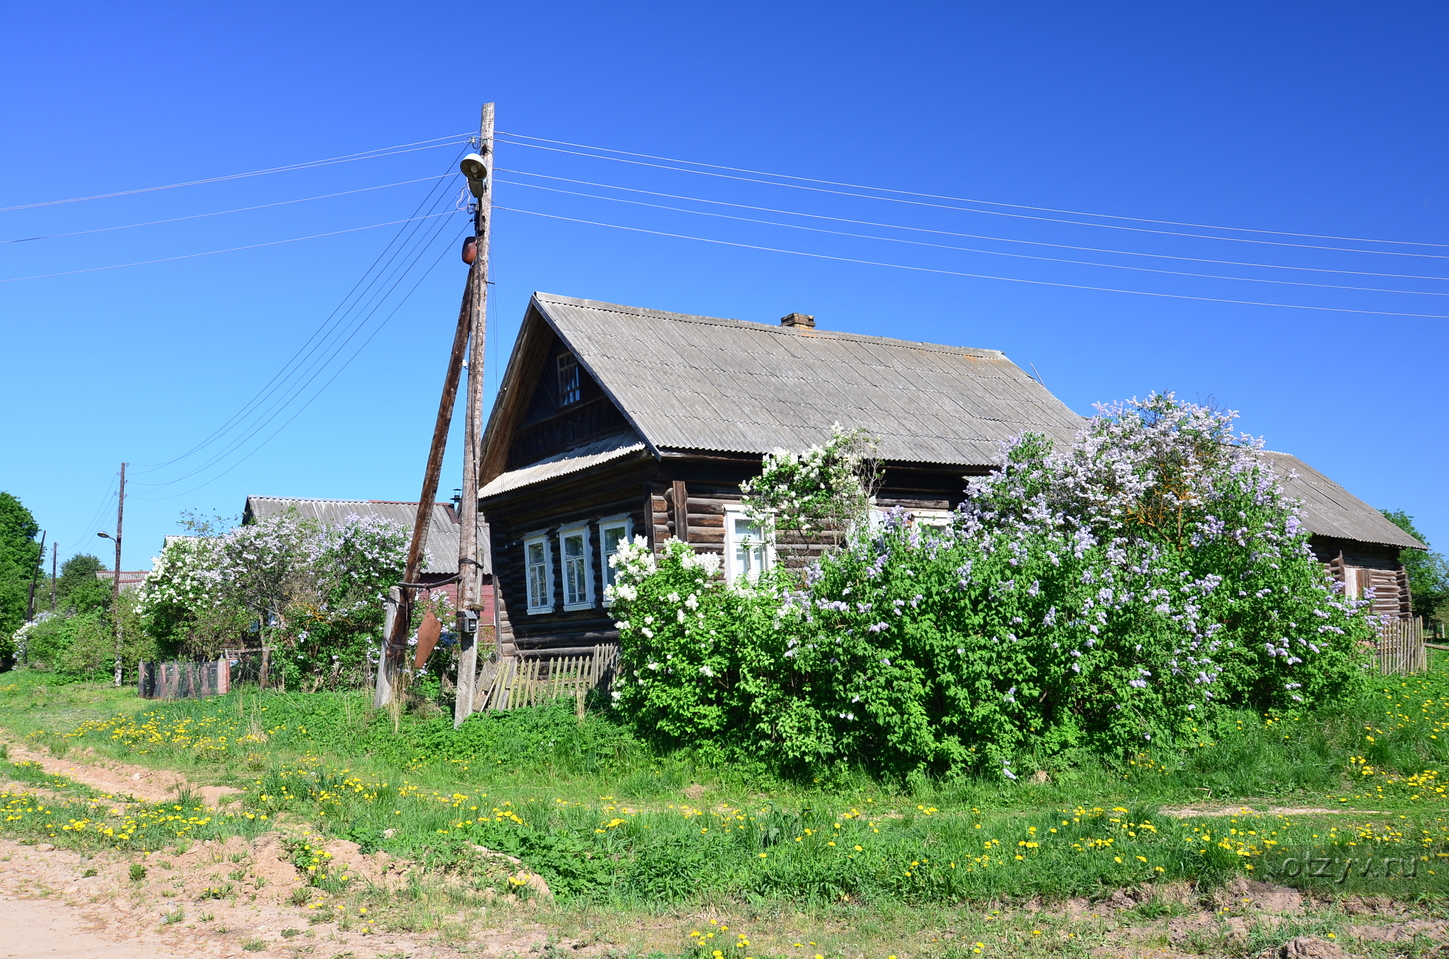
(41, 929)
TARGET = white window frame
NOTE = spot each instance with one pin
(587, 601)
(538, 539)
(733, 570)
(607, 523)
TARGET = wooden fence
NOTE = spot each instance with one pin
(183, 680)
(1401, 647)
(514, 683)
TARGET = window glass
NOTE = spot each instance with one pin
(747, 551)
(575, 568)
(568, 380)
(536, 559)
(613, 535)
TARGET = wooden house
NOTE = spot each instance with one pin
(613, 422)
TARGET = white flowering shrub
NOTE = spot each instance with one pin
(820, 493)
(311, 593)
(1115, 595)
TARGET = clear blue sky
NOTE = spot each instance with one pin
(1312, 118)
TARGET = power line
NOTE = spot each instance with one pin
(978, 276)
(324, 329)
(243, 209)
(957, 199)
(964, 249)
(315, 368)
(288, 168)
(234, 249)
(971, 236)
(959, 209)
(323, 388)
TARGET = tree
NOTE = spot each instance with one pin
(19, 554)
(79, 589)
(1428, 570)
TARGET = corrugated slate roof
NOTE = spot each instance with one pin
(702, 383)
(578, 458)
(443, 529)
(1331, 510)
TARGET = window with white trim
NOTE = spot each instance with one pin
(747, 552)
(573, 551)
(538, 574)
(613, 532)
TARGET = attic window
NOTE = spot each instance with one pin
(568, 380)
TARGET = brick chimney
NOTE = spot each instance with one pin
(798, 320)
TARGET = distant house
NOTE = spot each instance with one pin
(441, 568)
(130, 578)
(615, 421)
(1357, 544)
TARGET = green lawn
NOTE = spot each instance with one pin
(618, 831)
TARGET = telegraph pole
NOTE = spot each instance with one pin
(34, 579)
(54, 559)
(394, 644)
(469, 567)
(116, 572)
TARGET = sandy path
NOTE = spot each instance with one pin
(41, 929)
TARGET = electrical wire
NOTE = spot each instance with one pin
(965, 249)
(957, 199)
(288, 168)
(200, 216)
(317, 367)
(971, 236)
(234, 249)
(363, 345)
(978, 276)
(1001, 213)
(365, 283)
(106, 499)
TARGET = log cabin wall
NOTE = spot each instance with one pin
(1363, 566)
(679, 497)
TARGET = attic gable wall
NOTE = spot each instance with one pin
(545, 426)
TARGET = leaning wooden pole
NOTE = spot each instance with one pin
(394, 643)
(469, 566)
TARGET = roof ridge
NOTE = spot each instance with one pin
(816, 332)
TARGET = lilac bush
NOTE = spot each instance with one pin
(311, 593)
(1116, 595)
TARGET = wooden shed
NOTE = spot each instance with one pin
(1356, 542)
(614, 421)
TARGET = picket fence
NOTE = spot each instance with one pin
(515, 682)
(183, 680)
(1401, 647)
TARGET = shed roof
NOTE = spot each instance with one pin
(702, 383)
(443, 529)
(1331, 510)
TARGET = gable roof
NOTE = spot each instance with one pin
(1331, 510)
(443, 528)
(707, 384)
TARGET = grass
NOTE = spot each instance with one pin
(619, 831)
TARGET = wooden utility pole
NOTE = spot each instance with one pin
(54, 559)
(469, 567)
(400, 609)
(116, 574)
(35, 579)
